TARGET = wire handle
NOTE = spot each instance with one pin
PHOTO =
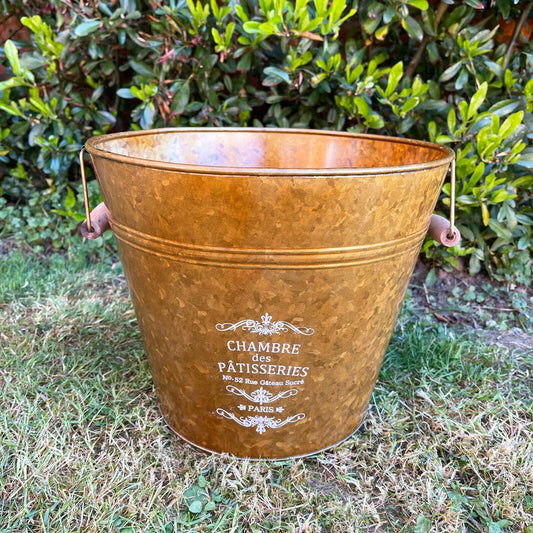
(85, 191)
(453, 230)
(441, 229)
(96, 221)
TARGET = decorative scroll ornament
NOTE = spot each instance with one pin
(261, 423)
(261, 395)
(265, 327)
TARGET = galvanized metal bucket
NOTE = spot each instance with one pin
(267, 268)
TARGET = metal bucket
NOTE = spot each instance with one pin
(267, 268)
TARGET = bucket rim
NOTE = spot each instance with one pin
(91, 145)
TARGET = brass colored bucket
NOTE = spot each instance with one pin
(267, 268)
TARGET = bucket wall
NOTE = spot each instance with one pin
(266, 293)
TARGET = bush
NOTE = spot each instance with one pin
(455, 73)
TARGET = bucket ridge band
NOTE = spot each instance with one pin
(266, 258)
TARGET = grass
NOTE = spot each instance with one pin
(446, 447)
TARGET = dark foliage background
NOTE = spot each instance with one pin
(457, 73)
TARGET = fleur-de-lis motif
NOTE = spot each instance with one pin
(265, 327)
(261, 395)
(261, 423)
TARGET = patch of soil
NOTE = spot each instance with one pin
(496, 313)
(8, 245)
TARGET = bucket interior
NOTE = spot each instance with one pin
(268, 149)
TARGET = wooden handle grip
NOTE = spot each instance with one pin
(439, 229)
(99, 222)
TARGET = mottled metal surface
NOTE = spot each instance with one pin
(267, 268)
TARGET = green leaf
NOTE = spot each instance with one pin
(510, 124)
(370, 25)
(477, 100)
(389, 14)
(216, 35)
(245, 62)
(277, 73)
(500, 196)
(252, 27)
(432, 131)
(381, 33)
(413, 28)
(136, 92)
(10, 84)
(409, 105)
(87, 27)
(462, 79)
(317, 78)
(473, 3)
(181, 99)
(420, 4)
(451, 71)
(36, 132)
(300, 7)
(527, 155)
(209, 61)
(419, 88)
(443, 139)
(196, 506)
(523, 244)
(501, 230)
(32, 61)
(141, 68)
(230, 28)
(34, 23)
(241, 13)
(431, 278)
(97, 93)
(321, 7)
(395, 76)
(485, 214)
(105, 117)
(463, 109)
(13, 57)
(505, 7)
(148, 116)
(265, 28)
(494, 67)
(70, 200)
(125, 93)
(476, 176)
(504, 107)
(375, 121)
(423, 525)
(474, 265)
(362, 106)
(451, 121)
